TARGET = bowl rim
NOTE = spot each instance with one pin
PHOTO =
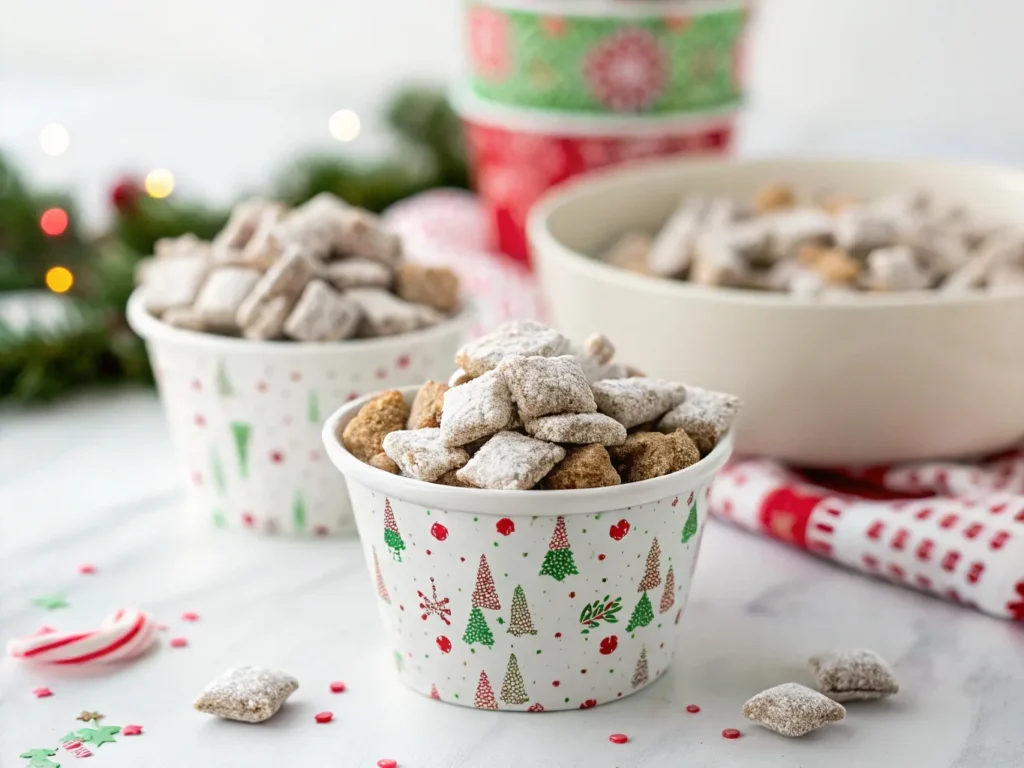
(618, 10)
(544, 244)
(153, 329)
(511, 503)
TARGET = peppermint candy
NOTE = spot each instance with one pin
(124, 635)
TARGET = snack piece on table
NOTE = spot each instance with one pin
(703, 414)
(476, 409)
(357, 272)
(364, 435)
(636, 400)
(174, 281)
(629, 252)
(282, 284)
(435, 287)
(546, 385)
(422, 454)
(322, 314)
(853, 675)
(520, 337)
(577, 428)
(792, 709)
(587, 466)
(384, 314)
(248, 694)
(216, 305)
(510, 461)
(645, 455)
(385, 462)
(427, 406)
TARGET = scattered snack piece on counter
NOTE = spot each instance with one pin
(792, 709)
(902, 242)
(585, 466)
(321, 272)
(853, 675)
(364, 435)
(470, 432)
(249, 694)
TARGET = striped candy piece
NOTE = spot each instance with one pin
(122, 636)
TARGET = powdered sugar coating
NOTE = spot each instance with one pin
(322, 314)
(521, 337)
(476, 409)
(637, 400)
(577, 428)
(358, 272)
(510, 461)
(420, 453)
(249, 694)
(792, 709)
(701, 408)
(384, 314)
(599, 348)
(545, 385)
(853, 675)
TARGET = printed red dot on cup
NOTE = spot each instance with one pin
(323, 717)
(387, 762)
(692, 709)
(556, 683)
(618, 738)
(731, 733)
(439, 532)
(338, 687)
(444, 644)
(505, 526)
(178, 642)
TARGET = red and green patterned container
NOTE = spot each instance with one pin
(594, 57)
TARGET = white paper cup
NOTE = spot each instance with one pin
(528, 600)
(246, 416)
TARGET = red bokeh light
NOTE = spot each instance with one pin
(54, 221)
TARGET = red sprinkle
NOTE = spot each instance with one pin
(190, 616)
(387, 762)
(178, 642)
(692, 709)
(618, 738)
(42, 693)
(338, 687)
(131, 730)
(86, 569)
(326, 717)
(731, 733)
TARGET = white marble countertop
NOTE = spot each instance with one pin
(94, 481)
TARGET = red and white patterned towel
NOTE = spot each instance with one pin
(952, 530)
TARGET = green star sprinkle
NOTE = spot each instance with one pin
(98, 734)
(39, 758)
(50, 602)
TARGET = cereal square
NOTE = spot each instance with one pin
(636, 400)
(853, 675)
(510, 461)
(322, 314)
(645, 455)
(702, 413)
(792, 709)
(174, 281)
(287, 278)
(478, 408)
(522, 337)
(427, 406)
(248, 694)
(545, 385)
(421, 454)
(436, 287)
(587, 466)
(357, 273)
(221, 295)
(385, 314)
(577, 428)
(364, 435)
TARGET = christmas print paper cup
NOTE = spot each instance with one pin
(528, 600)
(517, 156)
(245, 416)
(662, 57)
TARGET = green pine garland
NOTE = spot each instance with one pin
(93, 345)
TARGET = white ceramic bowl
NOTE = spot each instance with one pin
(246, 416)
(865, 379)
(528, 600)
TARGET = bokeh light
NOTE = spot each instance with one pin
(344, 125)
(59, 279)
(54, 221)
(54, 139)
(159, 183)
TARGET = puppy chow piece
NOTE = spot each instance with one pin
(286, 280)
(357, 273)
(421, 453)
(774, 197)
(630, 252)
(702, 408)
(427, 406)
(268, 324)
(364, 435)
(577, 428)
(792, 709)
(458, 378)
(716, 263)
(599, 348)
(385, 462)
(263, 248)
(174, 282)
(221, 295)
(645, 455)
(671, 251)
(853, 675)
(544, 385)
(248, 694)
(322, 314)
(792, 230)
(312, 229)
(385, 314)
(896, 269)
(183, 245)
(243, 223)
(836, 267)
(860, 230)
(521, 337)
(185, 318)
(436, 287)
(1008, 278)
(476, 409)
(452, 479)
(363, 234)
(510, 461)
(587, 466)
(636, 400)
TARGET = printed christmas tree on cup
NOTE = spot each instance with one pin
(520, 622)
(643, 614)
(382, 590)
(391, 535)
(690, 527)
(513, 689)
(668, 596)
(484, 694)
(641, 675)
(484, 596)
(558, 560)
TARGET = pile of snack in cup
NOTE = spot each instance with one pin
(527, 410)
(837, 244)
(324, 271)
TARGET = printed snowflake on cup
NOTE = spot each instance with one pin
(627, 71)
(489, 49)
